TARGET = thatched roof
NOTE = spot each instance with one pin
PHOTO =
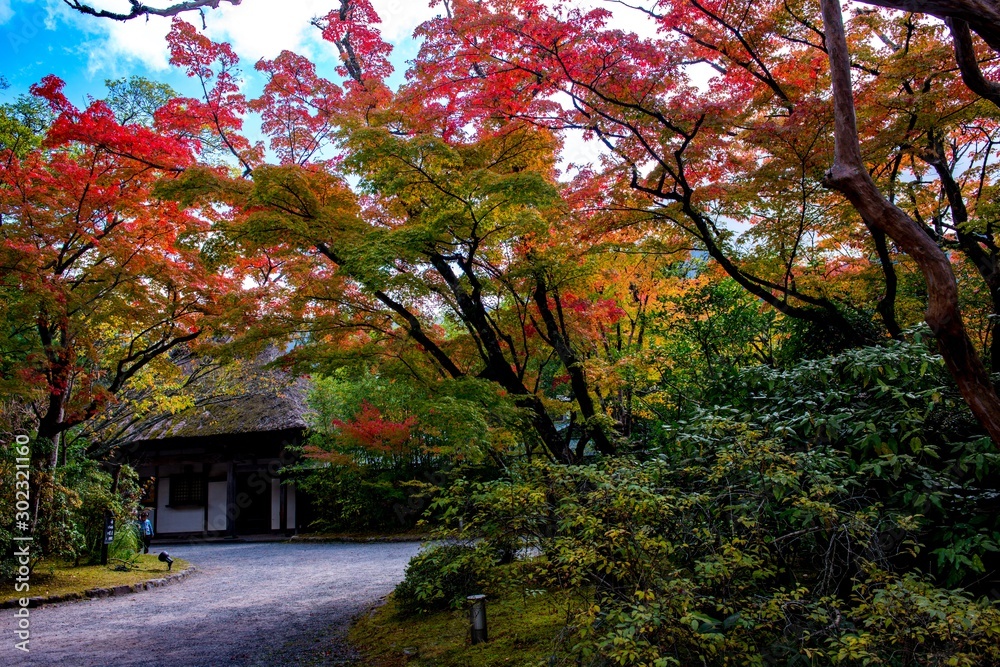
(251, 399)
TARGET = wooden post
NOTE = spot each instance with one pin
(282, 505)
(231, 499)
(204, 488)
(477, 618)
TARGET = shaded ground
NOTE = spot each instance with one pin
(248, 605)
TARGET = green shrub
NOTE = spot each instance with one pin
(356, 498)
(743, 551)
(441, 577)
(902, 434)
(124, 551)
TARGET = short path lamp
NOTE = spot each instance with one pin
(165, 558)
(477, 618)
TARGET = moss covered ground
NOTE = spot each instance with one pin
(522, 632)
(58, 578)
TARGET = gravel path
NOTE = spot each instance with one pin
(266, 604)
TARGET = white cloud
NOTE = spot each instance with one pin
(255, 28)
(401, 17)
(123, 44)
(5, 11)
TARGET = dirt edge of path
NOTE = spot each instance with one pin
(123, 589)
(360, 539)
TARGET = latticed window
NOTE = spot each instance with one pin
(187, 489)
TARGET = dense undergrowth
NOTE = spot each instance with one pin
(839, 512)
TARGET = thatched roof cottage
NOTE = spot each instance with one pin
(217, 468)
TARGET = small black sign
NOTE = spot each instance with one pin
(109, 529)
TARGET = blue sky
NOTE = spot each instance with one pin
(40, 37)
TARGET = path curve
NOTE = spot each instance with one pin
(248, 605)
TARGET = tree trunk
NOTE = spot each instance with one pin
(887, 304)
(44, 459)
(968, 65)
(574, 366)
(849, 176)
(983, 16)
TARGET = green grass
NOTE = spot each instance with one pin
(61, 578)
(522, 632)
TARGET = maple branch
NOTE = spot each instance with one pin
(968, 65)
(849, 176)
(414, 328)
(132, 364)
(343, 44)
(983, 16)
(650, 11)
(802, 20)
(765, 75)
(247, 168)
(139, 9)
(984, 260)
(559, 341)
(886, 306)
(824, 312)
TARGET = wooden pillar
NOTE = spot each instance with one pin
(231, 508)
(157, 491)
(283, 506)
(204, 489)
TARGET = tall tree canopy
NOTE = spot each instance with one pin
(100, 277)
(435, 215)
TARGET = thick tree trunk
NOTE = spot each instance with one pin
(44, 456)
(984, 261)
(44, 459)
(849, 176)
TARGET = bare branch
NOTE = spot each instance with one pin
(139, 9)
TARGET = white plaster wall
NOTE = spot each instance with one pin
(170, 520)
(291, 506)
(217, 505)
(275, 504)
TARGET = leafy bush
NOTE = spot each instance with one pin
(441, 577)
(355, 497)
(8, 563)
(741, 550)
(123, 552)
(903, 433)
